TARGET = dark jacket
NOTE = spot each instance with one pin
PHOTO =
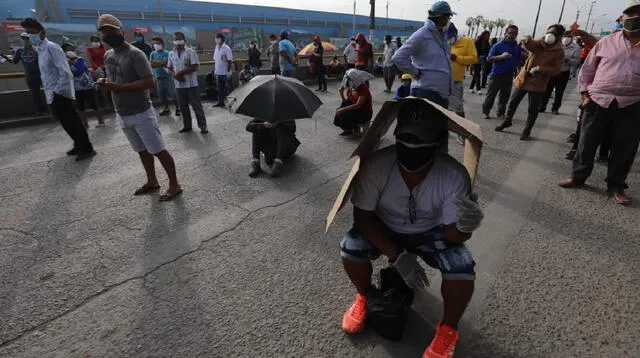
(254, 57)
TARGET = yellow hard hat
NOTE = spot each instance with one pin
(406, 76)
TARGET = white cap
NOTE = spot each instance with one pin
(630, 4)
(24, 34)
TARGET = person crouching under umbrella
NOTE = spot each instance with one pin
(276, 140)
(357, 108)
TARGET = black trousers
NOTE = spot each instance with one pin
(476, 72)
(65, 110)
(559, 84)
(498, 84)
(625, 137)
(486, 70)
(320, 72)
(534, 104)
(34, 89)
(389, 76)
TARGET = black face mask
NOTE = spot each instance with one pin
(631, 24)
(415, 157)
(114, 41)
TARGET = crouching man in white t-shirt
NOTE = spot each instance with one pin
(412, 200)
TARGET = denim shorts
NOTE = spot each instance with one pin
(454, 261)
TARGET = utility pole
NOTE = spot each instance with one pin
(561, 11)
(372, 21)
(577, 16)
(589, 16)
(164, 27)
(592, 25)
(354, 18)
(537, 17)
(387, 15)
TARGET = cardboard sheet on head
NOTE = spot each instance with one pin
(380, 126)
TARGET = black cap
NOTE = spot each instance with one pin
(420, 119)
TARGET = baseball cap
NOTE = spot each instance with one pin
(24, 34)
(406, 76)
(420, 119)
(108, 20)
(284, 34)
(630, 4)
(440, 8)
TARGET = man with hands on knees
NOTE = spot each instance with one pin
(412, 200)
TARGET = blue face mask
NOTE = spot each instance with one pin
(35, 39)
(139, 39)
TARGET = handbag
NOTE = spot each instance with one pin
(389, 305)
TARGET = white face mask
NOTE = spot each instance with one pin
(95, 44)
(550, 39)
(218, 41)
(178, 42)
(566, 41)
(157, 47)
(71, 54)
(273, 42)
(353, 43)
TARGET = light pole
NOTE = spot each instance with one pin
(387, 15)
(354, 18)
(589, 16)
(537, 17)
(372, 21)
(561, 11)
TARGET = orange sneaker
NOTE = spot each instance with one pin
(443, 344)
(354, 319)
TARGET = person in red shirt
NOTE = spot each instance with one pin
(356, 109)
(364, 53)
(95, 58)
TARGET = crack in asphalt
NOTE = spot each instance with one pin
(143, 276)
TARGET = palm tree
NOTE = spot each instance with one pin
(469, 22)
(489, 25)
(480, 20)
(500, 24)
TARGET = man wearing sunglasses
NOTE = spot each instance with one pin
(413, 200)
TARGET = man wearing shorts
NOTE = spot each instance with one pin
(164, 82)
(412, 200)
(129, 78)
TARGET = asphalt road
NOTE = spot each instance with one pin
(241, 267)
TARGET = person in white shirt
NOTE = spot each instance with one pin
(57, 81)
(388, 68)
(183, 66)
(223, 58)
(350, 54)
(413, 200)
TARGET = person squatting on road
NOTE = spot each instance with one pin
(356, 109)
(57, 81)
(129, 79)
(609, 83)
(412, 200)
(84, 88)
(545, 61)
(559, 82)
(505, 57)
(276, 140)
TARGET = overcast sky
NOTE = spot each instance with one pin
(522, 12)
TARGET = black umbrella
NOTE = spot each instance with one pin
(274, 99)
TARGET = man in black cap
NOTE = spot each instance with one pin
(412, 200)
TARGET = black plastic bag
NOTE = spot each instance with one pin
(388, 307)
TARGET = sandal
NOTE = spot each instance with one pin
(168, 195)
(146, 189)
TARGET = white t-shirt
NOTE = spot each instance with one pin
(179, 61)
(221, 55)
(380, 187)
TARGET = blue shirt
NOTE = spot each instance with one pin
(402, 92)
(82, 79)
(509, 65)
(428, 52)
(161, 55)
(29, 58)
(287, 46)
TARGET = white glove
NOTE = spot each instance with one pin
(505, 55)
(412, 273)
(534, 70)
(469, 214)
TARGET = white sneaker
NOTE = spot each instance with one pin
(472, 91)
(480, 93)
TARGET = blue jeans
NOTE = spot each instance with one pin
(453, 260)
(222, 88)
(288, 73)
